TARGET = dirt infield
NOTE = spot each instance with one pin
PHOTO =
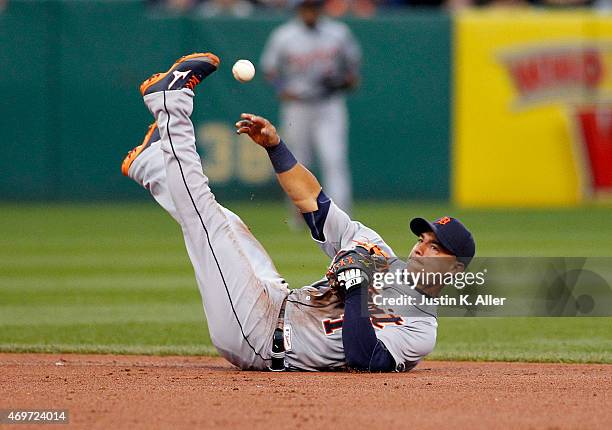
(105, 391)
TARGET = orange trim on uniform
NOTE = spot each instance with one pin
(372, 248)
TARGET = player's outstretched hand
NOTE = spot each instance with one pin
(259, 129)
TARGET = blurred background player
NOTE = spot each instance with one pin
(312, 61)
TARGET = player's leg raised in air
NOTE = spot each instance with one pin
(241, 290)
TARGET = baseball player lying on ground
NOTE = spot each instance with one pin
(255, 321)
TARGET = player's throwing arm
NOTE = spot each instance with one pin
(301, 186)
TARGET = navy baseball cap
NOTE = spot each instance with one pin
(451, 233)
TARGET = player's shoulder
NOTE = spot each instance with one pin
(335, 27)
(286, 29)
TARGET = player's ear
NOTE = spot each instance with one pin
(458, 267)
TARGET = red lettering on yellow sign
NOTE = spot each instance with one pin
(548, 70)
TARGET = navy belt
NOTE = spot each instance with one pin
(278, 342)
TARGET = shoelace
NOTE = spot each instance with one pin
(152, 77)
(133, 150)
(192, 82)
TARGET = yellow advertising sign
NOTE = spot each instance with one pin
(533, 111)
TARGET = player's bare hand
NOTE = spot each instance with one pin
(259, 129)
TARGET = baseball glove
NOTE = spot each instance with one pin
(356, 267)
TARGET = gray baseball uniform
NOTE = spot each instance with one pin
(241, 290)
(301, 59)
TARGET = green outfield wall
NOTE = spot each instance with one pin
(71, 109)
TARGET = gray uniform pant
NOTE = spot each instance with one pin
(241, 289)
(322, 125)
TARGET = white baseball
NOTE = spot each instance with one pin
(243, 70)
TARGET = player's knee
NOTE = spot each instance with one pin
(422, 348)
(427, 346)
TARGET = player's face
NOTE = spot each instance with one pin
(309, 14)
(429, 255)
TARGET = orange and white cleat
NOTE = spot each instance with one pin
(151, 136)
(186, 72)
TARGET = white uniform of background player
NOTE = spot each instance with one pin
(312, 61)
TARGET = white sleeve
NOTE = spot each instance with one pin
(340, 232)
(409, 343)
(352, 53)
(271, 57)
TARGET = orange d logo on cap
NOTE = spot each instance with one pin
(443, 221)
